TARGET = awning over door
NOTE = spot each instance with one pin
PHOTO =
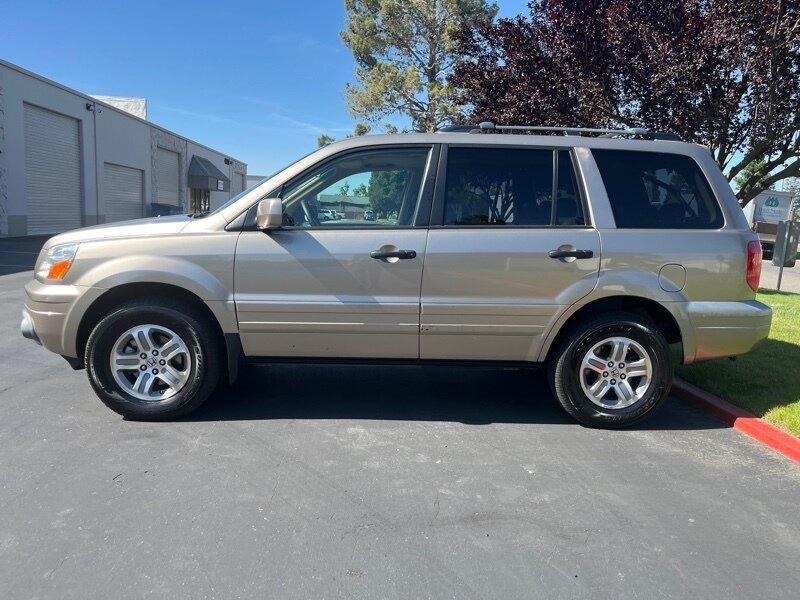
(203, 175)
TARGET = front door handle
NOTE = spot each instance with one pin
(570, 254)
(401, 254)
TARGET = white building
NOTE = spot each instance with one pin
(69, 160)
(254, 179)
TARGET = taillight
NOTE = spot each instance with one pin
(753, 264)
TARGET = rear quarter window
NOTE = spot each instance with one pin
(654, 190)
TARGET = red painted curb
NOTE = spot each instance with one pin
(740, 419)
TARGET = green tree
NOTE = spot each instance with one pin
(324, 140)
(360, 129)
(753, 176)
(793, 187)
(404, 52)
(721, 73)
(386, 191)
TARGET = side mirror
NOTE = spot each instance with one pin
(269, 214)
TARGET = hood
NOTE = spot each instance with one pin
(154, 226)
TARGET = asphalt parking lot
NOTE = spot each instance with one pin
(376, 482)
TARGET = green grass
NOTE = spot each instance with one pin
(767, 380)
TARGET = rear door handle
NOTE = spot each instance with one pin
(401, 254)
(570, 254)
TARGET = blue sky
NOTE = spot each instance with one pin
(257, 80)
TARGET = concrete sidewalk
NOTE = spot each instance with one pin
(790, 281)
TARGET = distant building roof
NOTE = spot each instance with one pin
(133, 106)
(343, 200)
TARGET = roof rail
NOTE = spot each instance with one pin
(489, 127)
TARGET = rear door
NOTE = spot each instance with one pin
(326, 286)
(509, 249)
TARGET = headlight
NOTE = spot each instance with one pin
(56, 263)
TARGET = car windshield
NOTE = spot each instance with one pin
(240, 194)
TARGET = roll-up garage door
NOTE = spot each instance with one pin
(237, 183)
(124, 192)
(53, 186)
(168, 177)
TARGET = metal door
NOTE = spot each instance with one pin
(123, 189)
(53, 181)
(168, 177)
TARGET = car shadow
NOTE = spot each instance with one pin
(469, 395)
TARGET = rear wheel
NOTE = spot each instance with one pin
(150, 359)
(612, 371)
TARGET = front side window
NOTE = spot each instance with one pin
(361, 189)
(653, 190)
(510, 187)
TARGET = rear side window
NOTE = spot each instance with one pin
(510, 187)
(652, 190)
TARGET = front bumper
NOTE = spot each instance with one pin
(51, 315)
(44, 323)
(27, 329)
(728, 328)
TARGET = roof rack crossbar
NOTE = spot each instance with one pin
(488, 126)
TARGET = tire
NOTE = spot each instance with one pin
(193, 371)
(611, 411)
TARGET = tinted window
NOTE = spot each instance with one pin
(360, 189)
(569, 208)
(657, 191)
(508, 186)
(498, 186)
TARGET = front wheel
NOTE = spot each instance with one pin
(150, 359)
(612, 371)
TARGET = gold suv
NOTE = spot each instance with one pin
(589, 254)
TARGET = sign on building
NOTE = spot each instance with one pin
(772, 206)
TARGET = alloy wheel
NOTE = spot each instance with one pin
(150, 362)
(616, 372)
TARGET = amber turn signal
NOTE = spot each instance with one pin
(58, 270)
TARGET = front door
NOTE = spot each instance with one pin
(491, 288)
(342, 277)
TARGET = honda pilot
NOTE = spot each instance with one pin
(590, 254)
